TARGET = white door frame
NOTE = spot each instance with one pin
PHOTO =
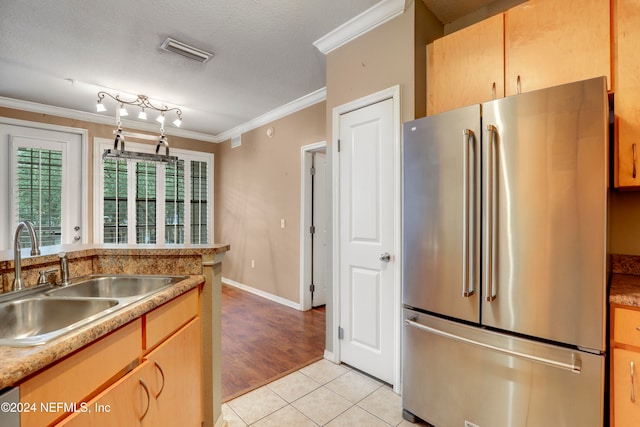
(393, 93)
(305, 221)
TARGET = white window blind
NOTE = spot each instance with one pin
(115, 188)
(39, 193)
(170, 204)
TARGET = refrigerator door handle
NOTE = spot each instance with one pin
(469, 191)
(492, 182)
(575, 366)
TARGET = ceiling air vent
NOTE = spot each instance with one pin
(172, 45)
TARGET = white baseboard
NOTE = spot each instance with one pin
(330, 356)
(263, 294)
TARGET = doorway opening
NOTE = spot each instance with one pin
(314, 226)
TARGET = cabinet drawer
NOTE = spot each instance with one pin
(168, 318)
(77, 376)
(625, 328)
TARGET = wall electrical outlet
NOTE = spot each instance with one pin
(282, 223)
(253, 263)
(470, 424)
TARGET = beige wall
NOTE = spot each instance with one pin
(391, 54)
(105, 131)
(624, 223)
(258, 185)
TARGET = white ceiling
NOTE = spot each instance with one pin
(62, 52)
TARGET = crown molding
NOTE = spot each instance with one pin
(361, 24)
(287, 109)
(99, 118)
(283, 111)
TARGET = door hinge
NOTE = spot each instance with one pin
(312, 287)
(312, 171)
(312, 229)
(340, 333)
(338, 146)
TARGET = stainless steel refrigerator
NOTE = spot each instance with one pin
(504, 261)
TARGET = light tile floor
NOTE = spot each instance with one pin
(321, 394)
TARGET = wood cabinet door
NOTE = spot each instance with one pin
(550, 42)
(175, 380)
(627, 87)
(126, 403)
(626, 387)
(466, 67)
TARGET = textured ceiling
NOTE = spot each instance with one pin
(62, 52)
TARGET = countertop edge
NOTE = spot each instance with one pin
(625, 290)
(20, 362)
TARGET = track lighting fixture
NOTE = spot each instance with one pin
(141, 101)
(118, 152)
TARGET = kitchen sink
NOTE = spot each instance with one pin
(37, 320)
(116, 286)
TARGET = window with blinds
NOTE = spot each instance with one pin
(115, 190)
(170, 204)
(145, 203)
(198, 202)
(39, 193)
(174, 203)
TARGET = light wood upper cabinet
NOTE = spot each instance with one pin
(466, 67)
(550, 42)
(627, 87)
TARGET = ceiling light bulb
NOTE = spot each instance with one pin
(100, 107)
(142, 115)
(160, 118)
(123, 111)
(177, 122)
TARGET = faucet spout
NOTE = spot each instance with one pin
(17, 260)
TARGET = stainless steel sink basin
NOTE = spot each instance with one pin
(116, 286)
(36, 320)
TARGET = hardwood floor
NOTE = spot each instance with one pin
(263, 340)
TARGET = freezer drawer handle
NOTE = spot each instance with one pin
(575, 365)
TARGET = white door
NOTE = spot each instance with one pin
(319, 222)
(52, 160)
(366, 239)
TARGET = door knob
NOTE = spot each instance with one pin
(385, 257)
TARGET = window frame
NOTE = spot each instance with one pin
(100, 144)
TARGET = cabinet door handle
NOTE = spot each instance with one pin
(162, 374)
(493, 90)
(518, 85)
(146, 389)
(631, 369)
(633, 147)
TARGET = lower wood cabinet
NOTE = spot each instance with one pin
(626, 387)
(164, 390)
(625, 366)
(98, 387)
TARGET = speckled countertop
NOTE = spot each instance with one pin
(625, 280)
(17, 363)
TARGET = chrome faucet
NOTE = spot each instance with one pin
(17, 260)
(64, 269)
